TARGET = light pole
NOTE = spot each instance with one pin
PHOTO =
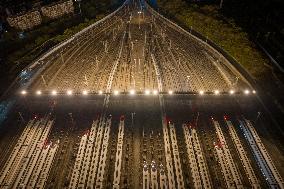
(62, 59)
(139, 13)
(21, 117)
(221, 4)
(79, 1)
(132, 117)
(72, 120)
(196, 120)
(42, 77)
(258, 115)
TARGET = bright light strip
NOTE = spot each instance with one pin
(23, 92)
(155, 92)
(85, 92)
(232, 92)
(216, 92)
(69, 92)
(116, 92)
(54, 93)
(38, 92)
(201, 92)
(132, 92)
(246, 92)
(170, 92)
(147, 92)
(100, 92)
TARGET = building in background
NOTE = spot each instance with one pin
(57, 10)
(26, 20)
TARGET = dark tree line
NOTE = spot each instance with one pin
(263, 20)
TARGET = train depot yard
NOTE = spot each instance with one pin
(134, 101)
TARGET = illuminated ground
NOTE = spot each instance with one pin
(121, 60)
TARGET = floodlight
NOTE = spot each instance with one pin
(147, 92)
(232, 92)
(69, 92)
(116, 92)
(132, 92)
(246, 92)
(23, 92)
(54, 93)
